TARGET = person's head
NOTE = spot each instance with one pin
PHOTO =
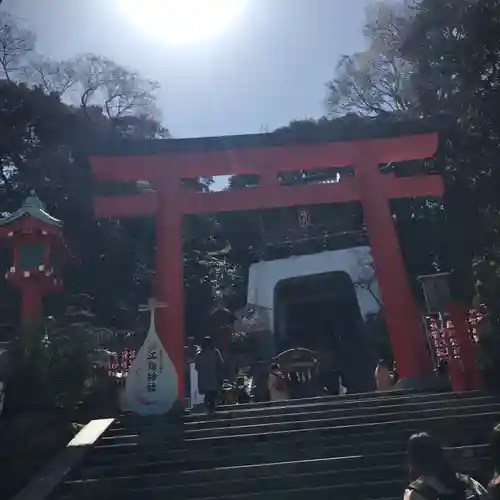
(190, 341)
(382, 363)
(275, 367)
(427, 458)
(495, 447)
(207, 343)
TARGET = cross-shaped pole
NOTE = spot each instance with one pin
(152, 305)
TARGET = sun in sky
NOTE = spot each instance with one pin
(182, 21)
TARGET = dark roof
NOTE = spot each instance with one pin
(343, 129)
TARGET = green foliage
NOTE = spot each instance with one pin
(454, 50)
(441, 61)
(376, 82)
(41, 139)
(51, 367)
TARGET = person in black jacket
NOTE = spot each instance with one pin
(433, 476)
(210, 367)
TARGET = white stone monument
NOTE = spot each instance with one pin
(152, 382)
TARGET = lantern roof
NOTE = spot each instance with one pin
(32, 207)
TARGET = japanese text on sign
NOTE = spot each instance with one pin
(152, 360)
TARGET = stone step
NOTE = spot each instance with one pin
(321, 486)
(192, 474)
(358, 395)
(349, 399)
(143, 485)
(200, 465)
(340, 424)
(322, 410)
(225, 482)
(263, 406)
(191, 461)
(378, 412)
(477, 426)
(369, 400)
(373, 418)
(331, 447)
(355, 491)
(363, 441)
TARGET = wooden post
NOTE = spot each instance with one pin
(31, 305)
(401, 314)
(170, 278)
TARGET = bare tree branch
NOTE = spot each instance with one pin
(15, 46)
(52, 76)
(120, 91)
(376, 81)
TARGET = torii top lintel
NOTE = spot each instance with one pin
(173, 160)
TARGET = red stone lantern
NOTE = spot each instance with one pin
(37, 244)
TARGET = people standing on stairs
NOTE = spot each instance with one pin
(383, 377)
(432, 477)
(441, 372)
(277, 384)
(395, 374)
(494, 486)
(329, 374)
(210, 367)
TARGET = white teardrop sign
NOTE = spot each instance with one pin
(152, 381)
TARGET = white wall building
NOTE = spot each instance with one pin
(356, 262)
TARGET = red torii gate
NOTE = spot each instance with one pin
(191, 158)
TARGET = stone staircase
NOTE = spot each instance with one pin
(350, 447)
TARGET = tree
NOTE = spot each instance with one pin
(376, 81)
(40, 148)
(54, 77)
(16, 44)
(410, 70)
(31, 129)
(87, 80)
(454, 50)
(122, 92)
(451, 53)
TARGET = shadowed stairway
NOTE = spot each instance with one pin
(350, 447)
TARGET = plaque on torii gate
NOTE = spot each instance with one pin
(167, 163)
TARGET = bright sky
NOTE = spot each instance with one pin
(265, 68)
